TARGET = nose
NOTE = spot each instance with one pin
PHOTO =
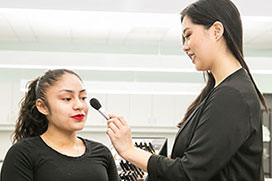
(185, 46)
(78, 104)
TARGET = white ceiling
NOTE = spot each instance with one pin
(246, 7)
(125, 26)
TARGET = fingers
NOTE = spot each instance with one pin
(112, 135)
(122, 120)
(110, 132)
(120, 134)
(115, 123)
(119, 121)
(112, 115)
(115, 129)
(118, 126)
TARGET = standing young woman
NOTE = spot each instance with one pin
(220, 137)
(47, 147)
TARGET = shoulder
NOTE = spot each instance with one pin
(237, 89)
(223, 95)
(238, 84)
(22, 151)
(225, 101)
(235, 96)
(95, 146)
(25, 145)
(98, 150)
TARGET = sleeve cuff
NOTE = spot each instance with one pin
(152, 165)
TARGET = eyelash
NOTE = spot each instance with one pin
(187, 36)
(68, 99)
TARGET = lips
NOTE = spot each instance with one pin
(192, 56)
(78, 116)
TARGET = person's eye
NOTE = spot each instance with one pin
(66, 99)
(84, 98)
(187, 36)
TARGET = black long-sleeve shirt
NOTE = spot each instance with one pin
(220, 141)
(32, 160)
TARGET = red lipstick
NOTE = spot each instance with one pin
(78, 116)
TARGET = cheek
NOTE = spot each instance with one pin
(86, 108)
(60, 110)
(204, 47)
(190, 44)
(195, 44)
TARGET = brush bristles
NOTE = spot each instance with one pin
(95, 103)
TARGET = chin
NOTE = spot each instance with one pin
(199, 68)
(80, 126)
(78, 129)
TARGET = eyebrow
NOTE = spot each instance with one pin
(70, 91)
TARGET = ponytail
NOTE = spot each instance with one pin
(30, 121)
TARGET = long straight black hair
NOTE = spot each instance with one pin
(206, 12)
(30, 121)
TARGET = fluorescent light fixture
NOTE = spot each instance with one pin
(138, 88)
(121, 69)
(64, 23)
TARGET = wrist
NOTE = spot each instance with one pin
(128, 153)
(137, 156)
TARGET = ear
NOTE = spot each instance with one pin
(218, 30)
(42, 107)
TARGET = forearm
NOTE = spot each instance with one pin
(138, 157)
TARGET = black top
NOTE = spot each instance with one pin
(220, 141)
(32, 160)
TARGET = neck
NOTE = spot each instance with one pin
(61, 139)
(64, 142)
(225, 66)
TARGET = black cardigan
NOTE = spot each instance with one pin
(220, 141)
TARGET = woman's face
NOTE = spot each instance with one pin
(198, 44)
(67, 102)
